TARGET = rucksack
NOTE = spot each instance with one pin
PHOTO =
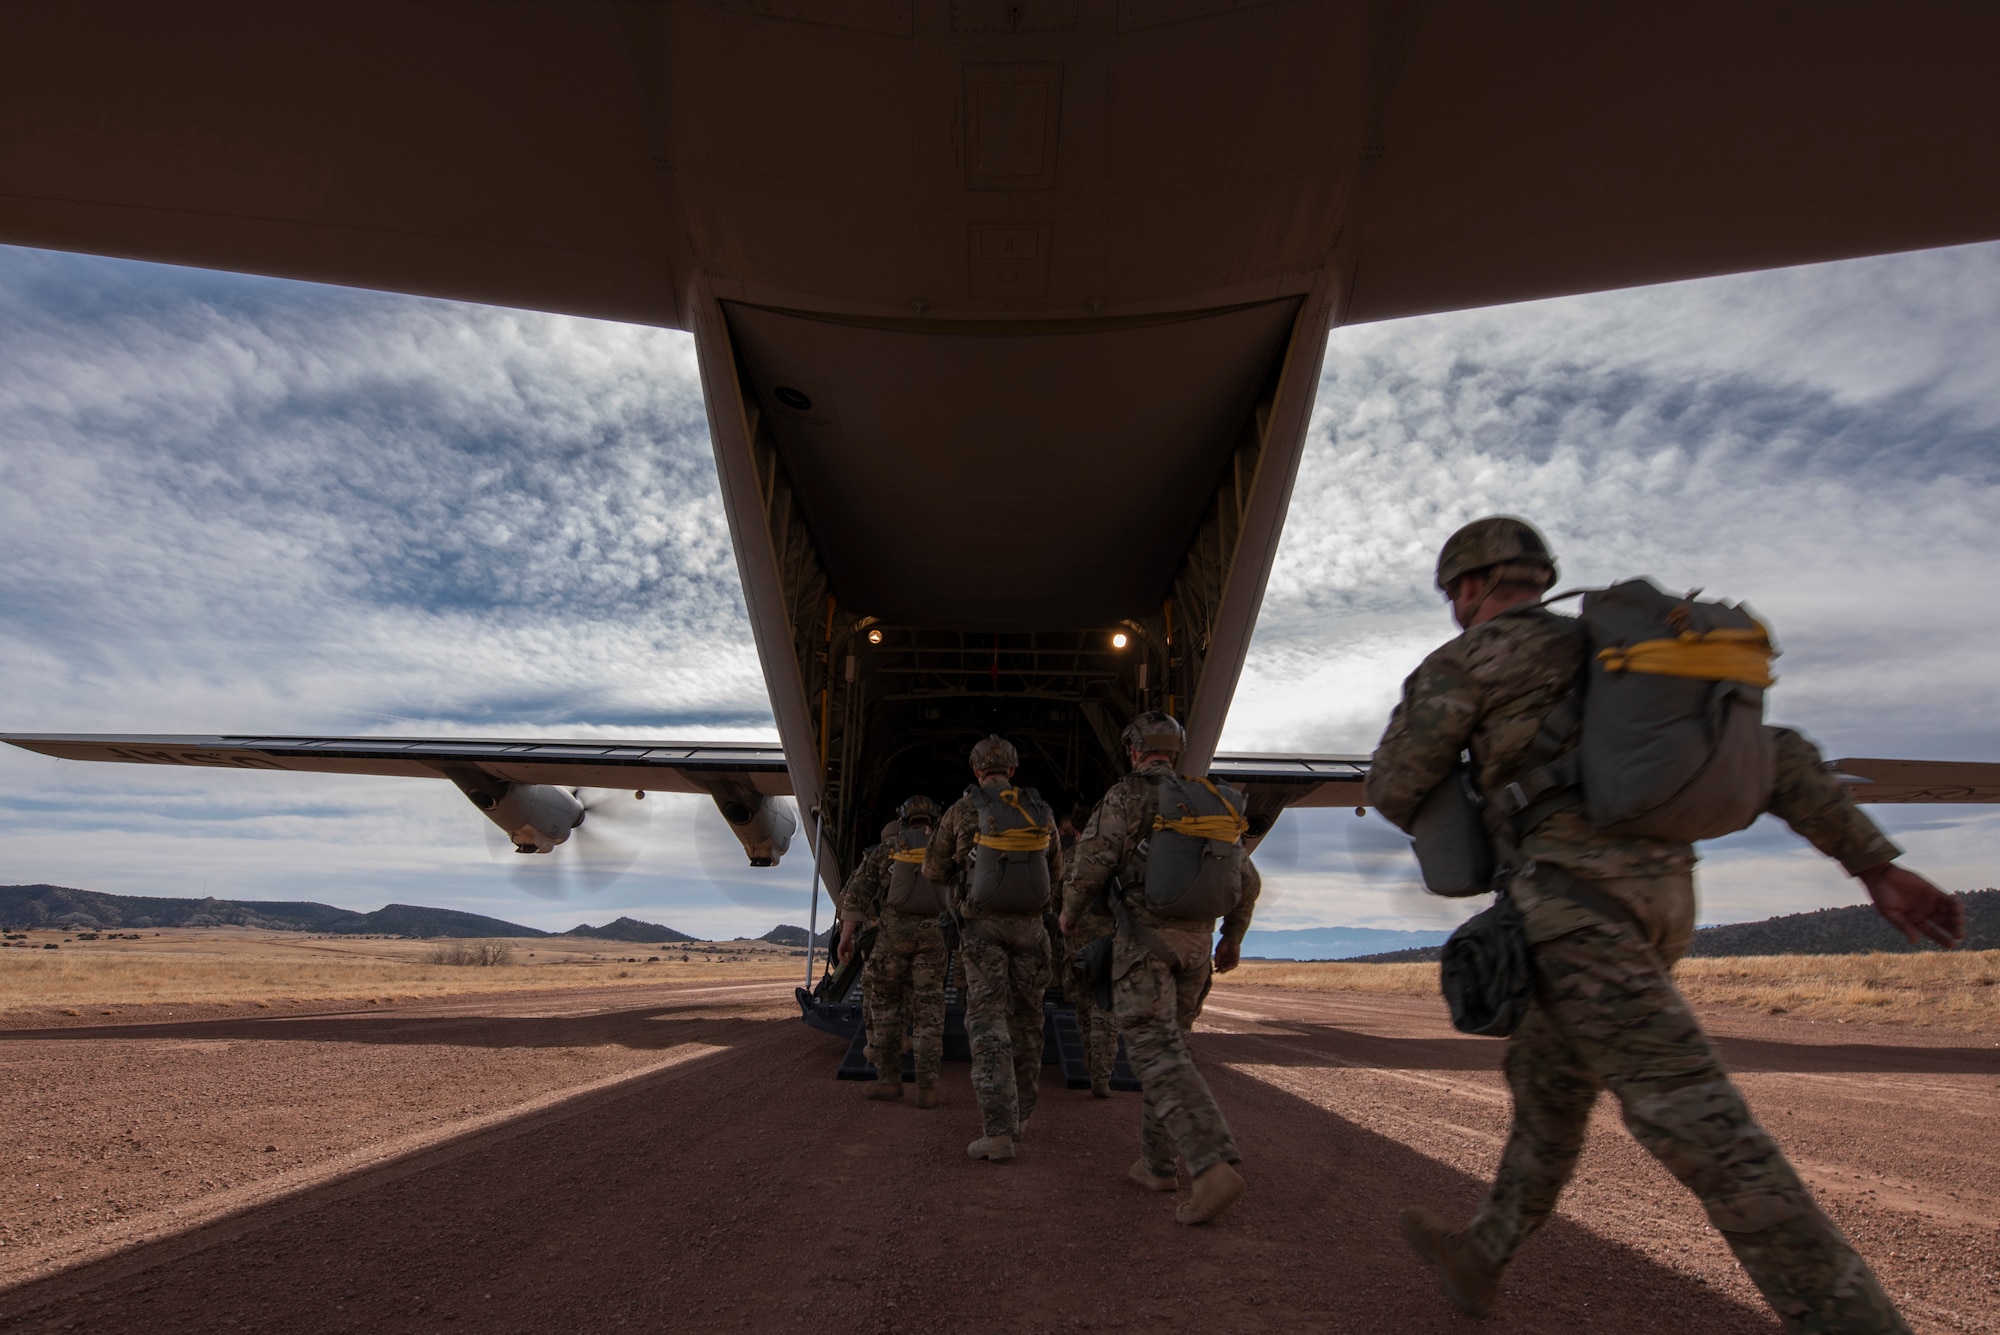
(1667, 721)
(909, 890)
(1194, 861)
(1010, 867)
(1454, 851)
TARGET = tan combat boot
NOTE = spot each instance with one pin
(1470, 1280)
(1100, 1087)
(886, 1089)
(928, 1094)
(1218, 1188)
(1141, 1173)
(992, 1148)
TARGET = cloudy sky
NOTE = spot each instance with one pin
(232, 504)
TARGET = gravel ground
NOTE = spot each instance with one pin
(680, 1158)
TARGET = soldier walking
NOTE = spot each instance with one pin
(1166, 910)
(1606, 918)
(996, 850)
(1098, 1027)
(904, 982)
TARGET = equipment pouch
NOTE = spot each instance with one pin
(1487, 974)
(1094, 967)
(1453, 848)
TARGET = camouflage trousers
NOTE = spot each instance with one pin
(1607, 1016)
(1099, 1028)
(1156, 1005)
(1006, 972)
(904, 986)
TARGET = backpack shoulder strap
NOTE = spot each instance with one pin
(1551, 772)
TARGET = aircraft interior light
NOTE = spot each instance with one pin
(1119, 640)
(875, 636)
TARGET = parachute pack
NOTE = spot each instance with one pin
(1194, 861)
(1010, 868)
(909, 891)
(1663, 735)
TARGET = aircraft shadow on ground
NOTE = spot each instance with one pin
(730, 1193)
(1345, 1047)
(664, 1025)
(645, 1028)
(661, 1026)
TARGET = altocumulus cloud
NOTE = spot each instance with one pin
(231, 504)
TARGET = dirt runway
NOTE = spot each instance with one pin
(680, 1158)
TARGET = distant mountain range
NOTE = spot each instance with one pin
(629, 929)
(59, 906)
(1856, 929)
(1332, 943)
(784, 934)
(56, 906)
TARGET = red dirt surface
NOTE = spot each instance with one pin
(681, 1158)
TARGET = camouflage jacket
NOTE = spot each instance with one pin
(949, 854)
(861, 897)
(1487, 692)
(1121, 822)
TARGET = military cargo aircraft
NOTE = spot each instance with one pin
(1009, 313)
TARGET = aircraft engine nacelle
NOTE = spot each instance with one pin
(764, 826)
(536, 816)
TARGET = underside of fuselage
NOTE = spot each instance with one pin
(1012, 527)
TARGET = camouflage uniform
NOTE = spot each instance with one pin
(903, 984)
(1006, 962)
(1606, 1013)
(1099, 1028)
(1157, 1002)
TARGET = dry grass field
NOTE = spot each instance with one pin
(1960, 990)
(237, 967)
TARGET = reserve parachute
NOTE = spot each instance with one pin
(1194, 862)
(909, 890)
(1010, 868)
(1664, 735)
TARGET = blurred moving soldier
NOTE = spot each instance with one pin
(1165, 855)
(1098, 1027)
(904, 981)
(1606, 916)
(996, 848)
(860, 900)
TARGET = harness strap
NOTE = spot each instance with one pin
(1032, 837)
(1716, 655)
(1031, 840)
(907, 855)
(1228, 829)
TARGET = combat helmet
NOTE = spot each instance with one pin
(891, 830)
(993, 754)
(1497, 540)
(1154, 731)
(918, 808)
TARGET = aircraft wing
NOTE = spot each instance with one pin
(660, 767)
(1922, 780)
(1273, 782)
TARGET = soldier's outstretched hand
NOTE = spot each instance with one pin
(1912, 905)
(1227, 956)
